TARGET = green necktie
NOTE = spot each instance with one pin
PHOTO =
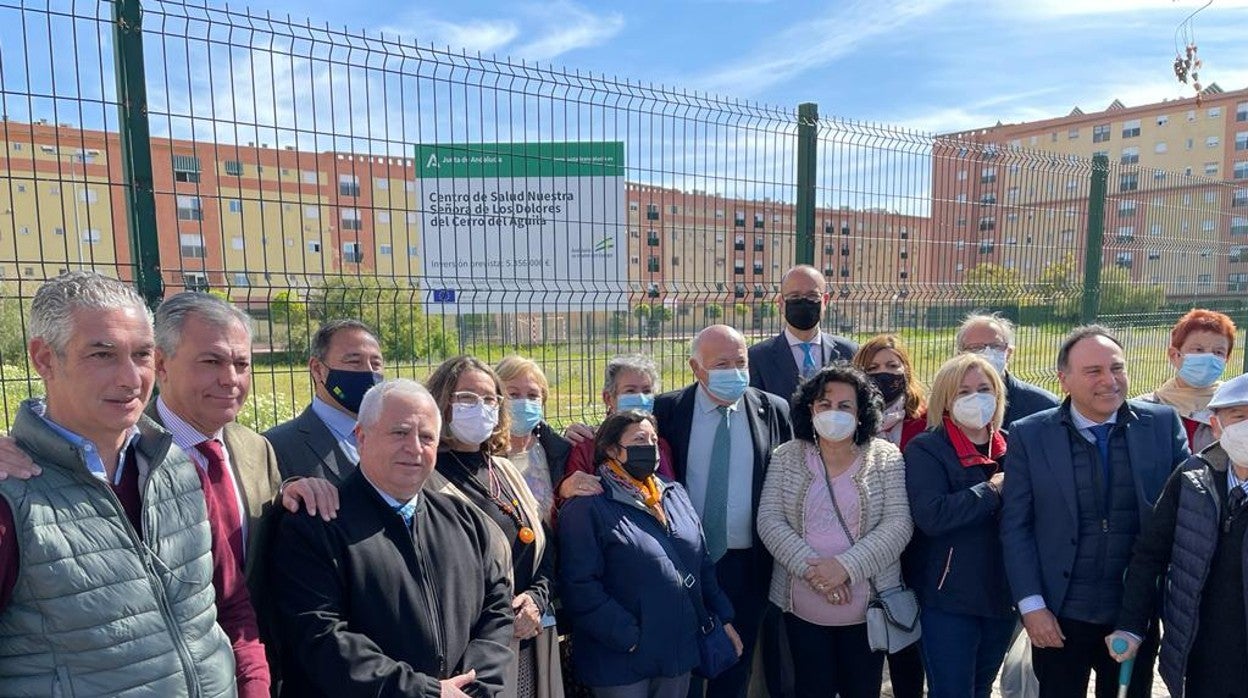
(715, 506)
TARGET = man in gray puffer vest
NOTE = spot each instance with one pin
(1193, 547)
(107, 560)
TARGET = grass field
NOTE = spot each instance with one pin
(576, 371)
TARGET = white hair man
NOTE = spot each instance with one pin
(992, 336)
(426, 608)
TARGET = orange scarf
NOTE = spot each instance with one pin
(647, 490)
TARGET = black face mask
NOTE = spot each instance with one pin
(348, 387)
(642, 461)
(802, 313)
(891, 385)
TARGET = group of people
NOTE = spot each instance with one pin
(805, 502)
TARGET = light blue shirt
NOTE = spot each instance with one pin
(341, 425)
(706, 418)
(90, 453)
(799, 354)
(1232, 481)
(1035, 602)
(394, 503)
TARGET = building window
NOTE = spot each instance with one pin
(310, 177)
(350, 219)
(988, 223)
(314, 246)
(1237, 282)
(1241, 111)
(352, 252)
(311, 212)
(241, 279)
(1211, 169)
(1213, 141)
(673, 209)
(385, 250)
(738, 219)
(189, 209)
(1163, 120)
(1239, 254)
(236, 243)
(758, 221)
(192, 246)
(1215, 112)
(383, 216)
(381, 183)
(961, 175)
(234, 168)
(988, 175)
(738, 244)
(1072, 134)
(1241, 170)
(1239, 226)
(1126, 233)
(986, 246)
(1241, 140)
(1125, 259)
(236, 206)
(1159, 175)
(1131, 155)
(1154, 255)
(1131, 129)
(185, 168)
(1126, 208)
(1240, 198)
(988, 199)
(1160, 147)
(1100, 133)
(348, 185)
(738, 266)
(652, 212)
(652, 264)
(1129, 181)
(195, 282)
(652, 238)
(90, 236)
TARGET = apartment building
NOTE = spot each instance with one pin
(1177, 206)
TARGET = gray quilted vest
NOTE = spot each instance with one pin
(96, 610)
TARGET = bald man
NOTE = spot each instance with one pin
(722, 433)
(778, 364)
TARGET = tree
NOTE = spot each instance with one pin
(392, 309)
(1122, 296)
(992, 284)
(1057, 286)
(713, 311)
(12, 334)
(290, 325)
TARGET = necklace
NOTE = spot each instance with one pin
(494, 492)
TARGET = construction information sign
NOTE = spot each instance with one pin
(522, 227)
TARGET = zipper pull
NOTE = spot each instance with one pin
(1104, 525)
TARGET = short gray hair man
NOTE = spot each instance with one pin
(374, 400)
(51, 311)
(172, 314)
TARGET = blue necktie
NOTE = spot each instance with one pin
(1101, 433)
(808, 360)
(715, 506)
(406, 511)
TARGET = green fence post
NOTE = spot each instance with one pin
(136, 149)
(807, 140)
(1092, 257)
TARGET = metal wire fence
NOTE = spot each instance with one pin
(480, 205)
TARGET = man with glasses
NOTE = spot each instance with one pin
(346, 361)
(992, 337)
(778, 364)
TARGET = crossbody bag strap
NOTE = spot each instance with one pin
(690, 583)
(839, 516)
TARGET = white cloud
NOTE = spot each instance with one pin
(571, 27)
(1073, 8)
(792, 51)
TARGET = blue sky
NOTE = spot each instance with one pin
(932, 65)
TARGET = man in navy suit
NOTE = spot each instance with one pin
(1080, 481)
(722, 433)
(778, 364)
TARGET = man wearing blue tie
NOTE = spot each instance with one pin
(1080, 485)
(722, 433)
(778, 364)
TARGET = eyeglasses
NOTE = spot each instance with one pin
(466, 398)
(976, 348)
(813, 296)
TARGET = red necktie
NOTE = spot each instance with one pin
(223, 492)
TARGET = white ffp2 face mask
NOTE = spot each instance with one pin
(835, 425)
(974, 411)
(1235, 442)
(472, 424)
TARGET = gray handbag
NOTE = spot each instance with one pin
(892, 614)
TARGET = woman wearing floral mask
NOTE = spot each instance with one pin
(834, 515)
(537, 450)
(631, 560)
(884, 358)
(954, 474)
(476, 436)
(632, 383)
(1200, 345)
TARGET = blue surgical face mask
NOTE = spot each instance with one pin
(642, 402)
(525, 415)
(1201, 370)
(727, 384)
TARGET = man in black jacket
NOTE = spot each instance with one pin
(992, 336)
(400, 594)
(1196, 539)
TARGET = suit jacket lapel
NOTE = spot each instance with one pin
(1055, 442)
(1141, 454)
(323, 446)
(782, 357)
(760, 439)
(682, 418)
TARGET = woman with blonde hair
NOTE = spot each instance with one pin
(472, 465)
(537, 450)
(954, 474)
